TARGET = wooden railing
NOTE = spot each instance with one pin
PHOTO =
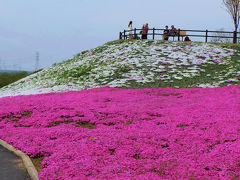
(233, 35)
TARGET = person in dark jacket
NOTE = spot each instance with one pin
(165, 33)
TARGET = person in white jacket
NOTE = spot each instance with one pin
(130, 29)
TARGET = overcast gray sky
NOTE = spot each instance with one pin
(59, 29)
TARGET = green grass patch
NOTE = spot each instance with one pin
(8, 78)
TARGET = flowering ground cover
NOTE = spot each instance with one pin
(111, 133)
(138, 64)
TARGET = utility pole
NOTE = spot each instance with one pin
(37, 61)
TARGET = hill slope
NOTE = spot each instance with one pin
(137, 64)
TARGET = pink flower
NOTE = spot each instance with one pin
(164, 62)
(217, 60)
(114, 133)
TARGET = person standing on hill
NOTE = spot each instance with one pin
(146, 27)
(142, 35)
(144, 31)
(130, 29)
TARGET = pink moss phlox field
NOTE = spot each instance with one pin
(110, 133)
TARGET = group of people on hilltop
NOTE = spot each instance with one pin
(143, 33)
(169, 32)
(166, 33)
(172, 32)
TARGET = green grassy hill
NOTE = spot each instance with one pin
(138, 64)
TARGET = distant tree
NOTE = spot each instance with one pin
(233, 9)
(222, 37)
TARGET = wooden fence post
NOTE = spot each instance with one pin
(178, 34)
(120, 35)
(135, 33)
(234, 37)
(153, 33)
(206, 36)
(124, 34)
